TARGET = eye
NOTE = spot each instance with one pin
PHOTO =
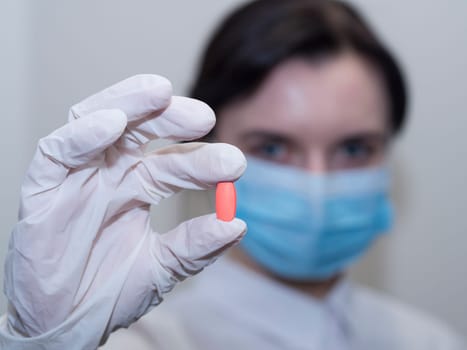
(355, 149)
(273, 147)
(272, 150)
(357, 152)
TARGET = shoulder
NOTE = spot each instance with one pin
(391, 318)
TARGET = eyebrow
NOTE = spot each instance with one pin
(262, 134)
(371, 135)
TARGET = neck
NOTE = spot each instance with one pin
(316, 289)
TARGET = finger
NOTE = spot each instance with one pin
(137, 97)
(184, 119)
(193, 166)
(195, 244)
(73, 145)
(146, 100)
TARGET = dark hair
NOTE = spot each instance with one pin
(258, 36)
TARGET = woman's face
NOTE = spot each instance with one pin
(320, 116)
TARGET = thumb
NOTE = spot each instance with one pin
(196, 243)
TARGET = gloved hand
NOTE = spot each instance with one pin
(83, 260)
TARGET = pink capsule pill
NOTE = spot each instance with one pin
(226, 201)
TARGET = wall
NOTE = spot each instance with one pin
(424, 261)
(16, 134)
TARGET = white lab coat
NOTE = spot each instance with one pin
(229, 307)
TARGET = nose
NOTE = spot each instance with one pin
(316, 161)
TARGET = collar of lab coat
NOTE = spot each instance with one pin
(273, 306)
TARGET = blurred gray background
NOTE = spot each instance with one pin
(54, 53)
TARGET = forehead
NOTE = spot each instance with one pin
(340, 94)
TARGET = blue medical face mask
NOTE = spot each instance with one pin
(303, 226)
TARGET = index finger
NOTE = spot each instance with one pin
(137, 96)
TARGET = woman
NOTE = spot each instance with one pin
(310, 95)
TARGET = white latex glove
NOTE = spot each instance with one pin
(83, 260)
